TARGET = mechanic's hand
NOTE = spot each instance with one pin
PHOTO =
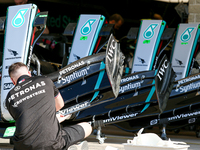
(61, 117)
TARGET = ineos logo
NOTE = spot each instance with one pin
(141, 60)
(153, 122)
(17, 88)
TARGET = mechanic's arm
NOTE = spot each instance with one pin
(59, 102)
(59, 105)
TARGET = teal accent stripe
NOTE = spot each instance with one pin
(149, 98)
(193, 50)
(101, 21)
(150, 95)
(162, 27)
(33, 12)
(95, 95)
(101, 74)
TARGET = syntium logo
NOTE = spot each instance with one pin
(87, 27)
(149, 32)
(186, 35)
(19, 19)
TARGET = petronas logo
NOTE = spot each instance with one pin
(186, 35)
(19, 19)
(149, 32)
(87, 27)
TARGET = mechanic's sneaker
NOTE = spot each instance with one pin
(79, 146)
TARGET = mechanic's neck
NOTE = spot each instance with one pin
(20, 78)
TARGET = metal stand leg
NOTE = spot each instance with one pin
(163, 132)
(99, 136)
(197, 131)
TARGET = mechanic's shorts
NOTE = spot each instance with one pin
(72, 135)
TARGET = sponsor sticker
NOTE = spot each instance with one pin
(188, 79)
(181, 116)
(130, 86)
(127, 79)
(9, 131)
(188, 87)
(72, 67)
(162, 70)
(75, 108)
(19, 18)
(117, 118)
(8, 86)
(87, 27)
(73, 76)
(186, 35)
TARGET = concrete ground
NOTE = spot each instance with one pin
(115, 138)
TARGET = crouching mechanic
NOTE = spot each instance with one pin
(33, 103)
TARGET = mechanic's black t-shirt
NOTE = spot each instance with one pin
(32, 105)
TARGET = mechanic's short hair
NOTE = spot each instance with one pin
(116, 17)
(14, 67)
